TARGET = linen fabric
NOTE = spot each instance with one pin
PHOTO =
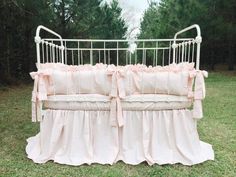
(86, 137)
(132, 102)
(106, 113)
(114, 81)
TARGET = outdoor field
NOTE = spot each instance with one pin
(218, 127)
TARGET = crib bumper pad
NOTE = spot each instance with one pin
(117, 84)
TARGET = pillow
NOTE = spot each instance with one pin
(178, 83)
(60, 82)
(102, 82)
(156, 82)
(87, 79)
(175, 83)
(95, 81)
(131, 83)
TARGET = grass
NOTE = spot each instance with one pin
(218, 127)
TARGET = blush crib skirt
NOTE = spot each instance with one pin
(86, 137)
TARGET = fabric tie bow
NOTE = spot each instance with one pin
(39, 93)
(117, 93)
(199, 94)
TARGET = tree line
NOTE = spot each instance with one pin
(90, 19)
(70, 18)
(216, 18)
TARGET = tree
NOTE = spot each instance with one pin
(89, 20)
(217, 20)
(70, 18)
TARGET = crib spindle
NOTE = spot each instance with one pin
(91, 53)
(109, 57)
(43, 51)
(99, 56)
(180, 52)
(193, 51)
(59, 55)
(143, 53)
(46, 51)
(154, 59)
(176, 54)
(182, 59)
(117, 53)
(104, 44)
(82, 58)
(130, 62)
(78, 53)
(72, 57)
(169, 51)
(156, 53)
(163, 57)
(65, 53)
(189, 43)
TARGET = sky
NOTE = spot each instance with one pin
(132, 13)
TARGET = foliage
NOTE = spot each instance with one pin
(217, 20)
(71, 18)
(88, 19)
(17, 25)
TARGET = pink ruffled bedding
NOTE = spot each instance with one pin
(57, 78)
(184, 66)
(138, 113)
(86, 137)
(118, 82)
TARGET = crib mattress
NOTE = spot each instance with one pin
(133, 102)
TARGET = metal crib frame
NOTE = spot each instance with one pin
(112, 51)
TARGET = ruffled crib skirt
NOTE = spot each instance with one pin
(78, 137)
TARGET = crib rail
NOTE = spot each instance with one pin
(118, 51)
(39, 41)
(181, 47)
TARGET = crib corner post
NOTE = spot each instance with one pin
(62, 53)
(174, 45)
(37, 40)
(198, 40)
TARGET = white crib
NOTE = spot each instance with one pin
(94, 110)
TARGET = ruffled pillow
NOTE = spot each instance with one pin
(133, 79)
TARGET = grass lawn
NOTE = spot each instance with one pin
(218, 127)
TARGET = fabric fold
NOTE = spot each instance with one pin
(153, 132)
(86, 137)
(43, 86)
(199, 94)
(39, 94)
(117, 93)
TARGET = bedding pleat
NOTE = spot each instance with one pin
(78, 137)
(74, 138)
